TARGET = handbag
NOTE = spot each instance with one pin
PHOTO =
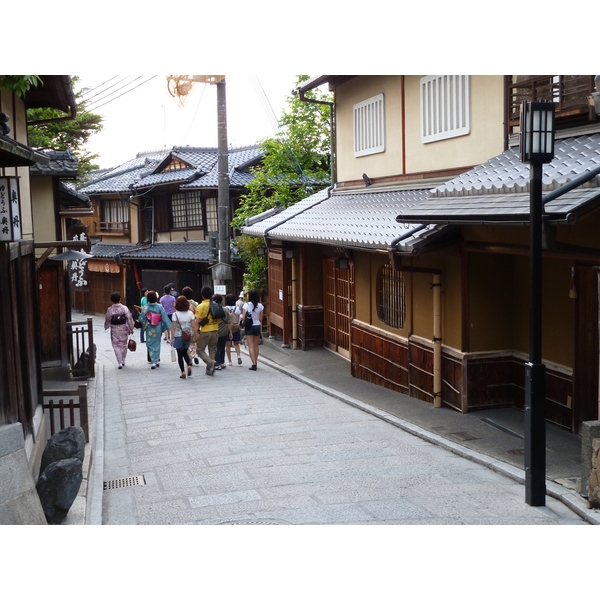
(248, 320)
(185, 336)
(131, 345)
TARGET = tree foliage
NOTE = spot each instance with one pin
(19, 84)
(297, 163)
(72, 134)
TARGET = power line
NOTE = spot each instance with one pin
(98, 86)
(107, 95)
(97, 106)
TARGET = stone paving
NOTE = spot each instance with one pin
(245, 447)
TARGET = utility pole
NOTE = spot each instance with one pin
(179, 86)
(222, 273)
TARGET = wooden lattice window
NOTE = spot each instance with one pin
(187, 210)
(211, 215)
(391, 297)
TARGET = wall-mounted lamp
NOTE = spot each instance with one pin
(289, 253)
(342, 263)
(261, 251)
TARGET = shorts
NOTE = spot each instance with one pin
(237, 336)
(254, 330)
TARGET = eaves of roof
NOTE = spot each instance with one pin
(498, 191)
(62, 163)
(184, 251)
(354, 220)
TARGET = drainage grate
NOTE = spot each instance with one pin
(124, 482)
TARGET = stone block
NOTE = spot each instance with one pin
(588, 432)
(58, 487)
(19, 502)
(66, 443)
(594, 483)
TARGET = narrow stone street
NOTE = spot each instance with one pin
(262, 447)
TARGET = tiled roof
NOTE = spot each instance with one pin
(357, 219)
(187, 251)
(140, 172)
(498, 190)
(62, 163)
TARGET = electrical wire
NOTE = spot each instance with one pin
(194, 117)
(97, 106)
(97, 87)
(109, 94)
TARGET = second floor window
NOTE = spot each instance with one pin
(391, 301)
(445, 107)
(212, 223)
(115, 216)
(187, 210)
(369, 126)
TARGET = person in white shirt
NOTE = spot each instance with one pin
(255, 308)
(183, 320)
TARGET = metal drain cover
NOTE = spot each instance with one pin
(124, 482)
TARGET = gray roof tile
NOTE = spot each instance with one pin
(203, 173)
(357, 219)
(498, 190)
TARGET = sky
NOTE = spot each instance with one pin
(139, 114)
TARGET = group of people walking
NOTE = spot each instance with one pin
(209, 330)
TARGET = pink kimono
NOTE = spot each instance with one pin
(119, 334)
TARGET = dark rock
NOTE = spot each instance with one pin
(58, 487)
(67, 443)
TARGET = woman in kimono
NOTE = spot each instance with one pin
(152, 313)
(120, 321)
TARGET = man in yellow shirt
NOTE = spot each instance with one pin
(206, 333)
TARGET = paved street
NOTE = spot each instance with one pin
(262, 447)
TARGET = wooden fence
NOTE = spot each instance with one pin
(82, 352)
(67, 408)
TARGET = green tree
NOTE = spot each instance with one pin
(71, 134)
(19, 84)
(297, 163)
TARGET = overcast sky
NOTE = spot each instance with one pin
(141, 115)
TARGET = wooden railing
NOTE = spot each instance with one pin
(82, 352)
(111, 228)
(569, 93)
(67, 412)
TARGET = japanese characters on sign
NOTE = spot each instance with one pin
(10, 210)
(78, 266)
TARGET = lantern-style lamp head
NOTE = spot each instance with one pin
(537, 132)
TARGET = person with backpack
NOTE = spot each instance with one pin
(235, 312)
(118, 318)
(252, 317)
(224, 332)
(155, 320)
(206, 329)
(181, 333)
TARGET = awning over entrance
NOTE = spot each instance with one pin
(498, 191)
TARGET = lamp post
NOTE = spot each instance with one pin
(537, 148)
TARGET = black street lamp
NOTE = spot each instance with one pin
(537, 148)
